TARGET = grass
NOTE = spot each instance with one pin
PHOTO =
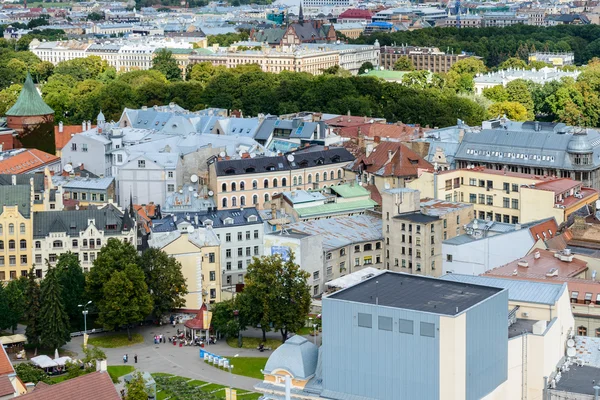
(115, 340)
(252, 343)
(168, 385)
(117, 371)
(196, 382)
(249, 366)
(57, 379)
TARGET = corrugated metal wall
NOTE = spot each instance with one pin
(376, 363)
(487, 346)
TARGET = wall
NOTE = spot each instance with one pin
(366, 362)
(145, 184)
(453, 361)
(94, 159)
(255, 245)
(539, 204)
(334, 259)
(11, 215)
(479, 256)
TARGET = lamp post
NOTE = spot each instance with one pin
(315, 333)
(85, 313)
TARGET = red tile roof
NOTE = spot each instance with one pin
(348, 120)
(558, 186)
(26, 161)
(198, 321)
(403, 161)
(5, 364)
(6, 386)
(93, 386)
(545, 230)
(356, 13)
(401, 131)
(62, 138)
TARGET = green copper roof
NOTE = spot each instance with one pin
(29, 102)
(336, 208)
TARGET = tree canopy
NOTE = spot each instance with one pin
(164, 62)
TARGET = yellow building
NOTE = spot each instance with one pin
(198, 251)
(15, 231)
(505, 196)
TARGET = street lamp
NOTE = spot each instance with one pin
(315, 333)
(85, 313)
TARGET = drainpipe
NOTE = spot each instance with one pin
(545, 391)
(596, 389)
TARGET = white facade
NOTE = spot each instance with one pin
(542, 76)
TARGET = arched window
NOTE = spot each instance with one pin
(22, 228)
(84, 243)
(317, 177)
(324, 176)
(38, 244)
(582, 331)
(224, 187)
(23, 244)
(266, 196)
(266, 183)
(242, 201)
(300, 180)
(309, 178)
(57, 244)
(224, 202)
(1, 229)
(283, 182)
(233, 186)
(275, 183)
(295, 181)
(242, 185)
(1, 244)
(255, 199)
(254, 184)
(11, 244)
(339, 174)
(234, 201)
(331, 175)
(98, 242)
(11, 229)
(74, 243)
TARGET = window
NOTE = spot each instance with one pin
(213, 293)
(224, 202)
(316, 275)
(256, 234)
(254, 184)
(240, 251)
(378, 246)
(482, 199)
(234, 202)
(342, 251)
(515, 204)
(239, 236)
(588, 298)
(472, 198)
(2, 260)
(406, 326)
(514, 220)
(22, 228)
(1, 244)
(505, 202)
(255, 250)
(0, 229)
(101, 199)
(427, 329)
(212, 276)
(275, 183)
(57, 244)
(85, 242)
(489, 200)
(94, 197)
(316, 290)
(228, 267)
(266, 196)
(294, 181)
(170, 188)
(309, 178)
(170, 174)
(228, 253)
(141, 163)
(38, 259)
(223, 187)
(515, 187)
(233, 188)
(403, 263)
(242, 201)
(11, 229)
(357, 249)
(368, 260)
(582, 331)
(365, 320)
(248, 252)
(300, 180)
(23, 244)
(357, 262)
(11, 244)
(211, 257)
(74, 243)
(481, 183)
(339, 174)
(23, 259)
(472, 181)
(266, 183)
(385, 323)
(255, 200)
(574, 296)
(448, 184)
(73, 146)
(12, 260)
(240, 264)
(98, 242)
(317, 177)
(449, 257)
(368, 247)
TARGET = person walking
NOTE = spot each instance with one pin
(135, 358)
(124, 358)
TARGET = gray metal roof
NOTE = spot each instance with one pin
(88, 183)
(18, 195)
(419, 293)
(297, 355)
(75, 221)
(526, 291)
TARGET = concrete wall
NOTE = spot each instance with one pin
(94, 159)
(453, 361)
(145, 184)
(11, 215)
(236, 274)
(479, 256)
(539, 204)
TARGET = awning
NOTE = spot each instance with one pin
(18, 338)
(44, 362)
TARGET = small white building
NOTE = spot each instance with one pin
(541, 76)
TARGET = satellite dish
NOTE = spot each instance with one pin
(210, 193)
(68, 168)
(191, 189)
(290, 157)
(222, 154)
(180, 191)
(570, 343)
(194, 178)
(571, 352)
(190, 229)
(252, 155)
(195, 194)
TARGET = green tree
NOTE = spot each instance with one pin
(164, 280)
(29, 373)
(82, 68)
(95, 16)
(470, 66)
(42, 71)
(336, 70)
(136, 388)
(496, 93)
(8, 97)
(538, 65)
(416, 79)
(403, 64)
(518, 91)
(164, 62)
(366, 66)
(39, 21)
(15, 297)
(5, 318)
(513, 62)
(33, 317)
(223, 318)
(72, 280)
(54, 321)
(513, 110)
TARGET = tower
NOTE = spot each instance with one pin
(300, 15)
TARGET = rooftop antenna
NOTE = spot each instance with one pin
(376, 293)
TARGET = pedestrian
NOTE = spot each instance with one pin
(124, 358)
(123, 393)
(135, 358)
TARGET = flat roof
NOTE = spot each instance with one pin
(579, 379)
(417, 293)
(416, 216)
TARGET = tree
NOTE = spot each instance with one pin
(518, 91)
(29, 373)
(8, 97)
(276, 292)
(15, 297)
(336, 70)
(39, 21)
(513, 110)
(403, 64)
(223, 318)
(513, 62)
(72, 280)
(165, 281)
(32, 310)
(164, 62)
(5, 320)
(136, 388)
(95, 16)
(42, 71)
(496, 93)
(470, 66)
(416, 79)
(54, 322)
(365, 67)
(82, 68)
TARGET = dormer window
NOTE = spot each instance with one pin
(252, 218)
(228, 221)
(208, 222)
(320, 161)
(230, 171)
(270, 168)
(335, 159)
(250, 169)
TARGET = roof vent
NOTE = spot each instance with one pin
(552, 272)
(536, 255)
(523, 263)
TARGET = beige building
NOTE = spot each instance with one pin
(422, 58)
(505, 196)
(82, 232)
(198, 252)
(15, 231)
(254, 181)
(414, 230)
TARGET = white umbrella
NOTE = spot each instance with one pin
(56, 354)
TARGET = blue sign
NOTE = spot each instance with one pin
(283, 251)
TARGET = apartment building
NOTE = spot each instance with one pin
(198, 251)
(254, 181)
(509, 197)
(422, 58)
(82, 232)
(414, 229)
(16, 231)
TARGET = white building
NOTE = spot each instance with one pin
(541, 76)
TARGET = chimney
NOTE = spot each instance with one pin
(14, 180)
(60, 127)
(83, 126)
(273, 210)
(361, 139)
(89, 125)
(196, 219)
(101, 365)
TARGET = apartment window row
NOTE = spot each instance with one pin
(240, 236)
(11, 228)
(405, 326)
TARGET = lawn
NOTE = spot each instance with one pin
(252, 343)
(178, 388)
(115, 340)
(305, 330)
(249, 366)
(117, 371)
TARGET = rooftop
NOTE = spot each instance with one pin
(436, 207)
(336, 208)
(93, 386)
(579, 380)
(24, 160)
(419, 293)
(347, 191)
(417, 217)
(30, 102)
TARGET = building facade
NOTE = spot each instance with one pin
(16, 231)
(422, 58)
